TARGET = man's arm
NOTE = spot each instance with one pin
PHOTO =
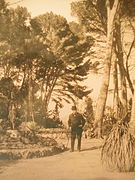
(69, 121)
(83, 121)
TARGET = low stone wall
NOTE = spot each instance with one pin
(44, 143)
(15, 154)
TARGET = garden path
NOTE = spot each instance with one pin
(84, 165)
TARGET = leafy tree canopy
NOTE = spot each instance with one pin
(93, 14)
(66, 49)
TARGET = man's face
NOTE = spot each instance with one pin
(74, 111)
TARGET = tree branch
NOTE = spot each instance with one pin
(10, 4)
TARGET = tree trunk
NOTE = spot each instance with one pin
(132, 120)
(11, 112)
(123, 91)
(116, 93)
(111, 13)
(30, 115)
(11, 115)
(120, 56)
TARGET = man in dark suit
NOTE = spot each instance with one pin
(76, 123)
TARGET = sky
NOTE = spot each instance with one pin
(36, 7)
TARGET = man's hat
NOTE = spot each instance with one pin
(74, 108)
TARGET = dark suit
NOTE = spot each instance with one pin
(76, 122)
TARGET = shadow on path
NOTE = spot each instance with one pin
(6, 163)
(91, 148)
(101, 178)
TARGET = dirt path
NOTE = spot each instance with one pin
(84, 165)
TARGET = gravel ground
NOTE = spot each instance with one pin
(84, 165)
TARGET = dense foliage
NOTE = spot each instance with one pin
(41, 60)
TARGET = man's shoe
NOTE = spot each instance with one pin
(71, 150)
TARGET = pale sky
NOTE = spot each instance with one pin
(36, 7)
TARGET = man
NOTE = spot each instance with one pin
(76, 123)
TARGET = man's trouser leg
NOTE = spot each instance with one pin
(79, 136)
(73, 136)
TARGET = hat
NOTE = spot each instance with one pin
(74, 108)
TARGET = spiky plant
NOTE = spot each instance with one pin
(118, 151)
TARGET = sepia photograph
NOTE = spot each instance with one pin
(67, 89)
